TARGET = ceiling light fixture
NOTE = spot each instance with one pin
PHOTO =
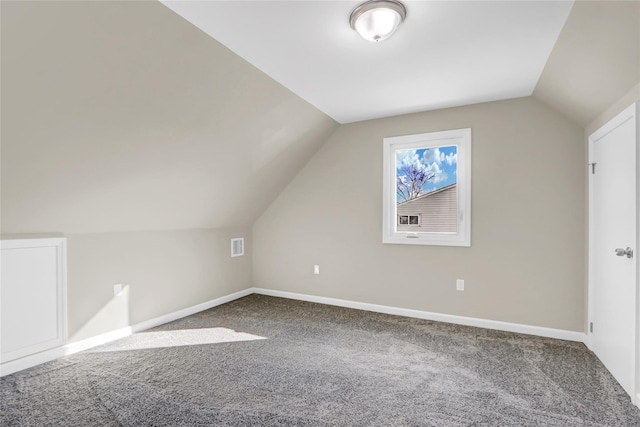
(377, 20)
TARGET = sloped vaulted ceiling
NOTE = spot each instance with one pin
(120, 116)
(445, 54)
(595, 61)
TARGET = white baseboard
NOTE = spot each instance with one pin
(32, 360)
(152, 323)
(75, 347)
(85, 344)
(448, 318)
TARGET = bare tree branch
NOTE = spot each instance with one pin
(409, 184)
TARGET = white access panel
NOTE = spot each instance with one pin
(32, 296)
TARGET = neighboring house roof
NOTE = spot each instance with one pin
(430, 193)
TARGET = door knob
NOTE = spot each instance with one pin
(622, 252)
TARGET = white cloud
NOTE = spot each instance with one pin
(433, 155)
(451, 158)
(405, 157)
(439, 175)
(409, 158)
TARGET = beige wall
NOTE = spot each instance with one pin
(165, 271)
(526, 263)
(616, 108)
(121, 118)
(595, 60)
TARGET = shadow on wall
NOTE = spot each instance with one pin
(115, 312)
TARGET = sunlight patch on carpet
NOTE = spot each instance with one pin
(178, 338)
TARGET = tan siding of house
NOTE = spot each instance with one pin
(437, 212)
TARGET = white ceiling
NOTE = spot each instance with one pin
(446, 53)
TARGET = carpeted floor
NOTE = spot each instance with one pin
(264, 361)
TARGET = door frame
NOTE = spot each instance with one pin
(631, 112)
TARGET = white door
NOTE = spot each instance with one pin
(612, 229)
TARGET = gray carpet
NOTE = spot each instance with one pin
(264, 361)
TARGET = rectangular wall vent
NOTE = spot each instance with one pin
(237, 246)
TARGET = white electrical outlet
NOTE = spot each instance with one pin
(459, 285)
(316, 269)
(117, 290)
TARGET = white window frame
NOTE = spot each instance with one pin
(458, 137)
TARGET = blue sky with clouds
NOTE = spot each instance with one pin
(442, 162)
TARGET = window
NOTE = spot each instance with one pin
(427, 189)
(408, 219)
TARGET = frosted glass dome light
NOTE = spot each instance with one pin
(377, 20)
